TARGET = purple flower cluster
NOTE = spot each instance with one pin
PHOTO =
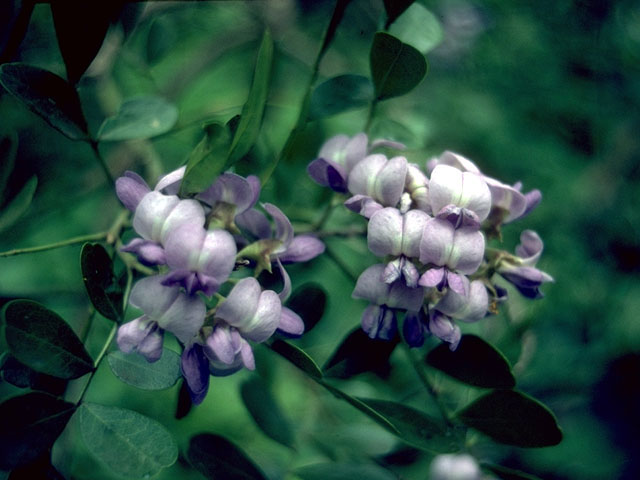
(429, 227)
(195, 244)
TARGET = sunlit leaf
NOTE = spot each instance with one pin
(207, 160)
(18, 205)
(309, 302)
(139, 117)
(135, 370)
(217, 458)
(474, 362)
(340, 94)
(395, 8)
(505, 473)
(344, 471)
(42, 340)
(298, 357)
(48, 95)
(510, 417)
(266, 412)
(80, 29)
(99, 280)
(419, 28)
(396, 68)
(17, 373)
(130, 444)
(253, 110)
(358, 353)
(30, 424)
(414, 427)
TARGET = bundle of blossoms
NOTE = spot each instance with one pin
(195, 245)
(429, 227)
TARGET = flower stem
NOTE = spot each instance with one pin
(51, 246)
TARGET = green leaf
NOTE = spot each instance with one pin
(135, 370)
(396, 68)
(47, 95)
(474, 362)
(266, 412)
(8, 150)
(207, 160)
(394, 9)
(344, 471)
(103, 289)
(512, 418)
(414, 427)
(358, 353)
(129, 443)
(309, 302)
(139, 117)
(17, 373)
(340, 94)
(18, 205)
(217, 458)
(419, 28)
(42, 340)
(80, 30)
(298, 357)
(30, 424)
(505, 473)
(253, 110)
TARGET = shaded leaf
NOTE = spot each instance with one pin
(505, 473)
(340, 94)
(396, 68)
(18, 374)
(266, 412)
(510, 417)
(344, 471)
(30, 424)
(309, 302)
(394, 9)
(42, 340)
(253, 110)
(419, 28)
(139, 117)
(298, 357)
(216, 458)
(134, 369)
(8, 150)
(48, 95)
(97, 273)
(19, 204)
(207, 160)
(414, 427)
(80, 29)
(474, 362)
(358, 353)
(129, 443)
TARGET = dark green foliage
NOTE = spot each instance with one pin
(216, 457)
(100, 282)
(340, 94)
(18, 204)
(16, 373)
(309, 302)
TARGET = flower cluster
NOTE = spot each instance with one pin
(195, 244)
(429, 226)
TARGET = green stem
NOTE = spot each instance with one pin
(102, 162)
(99, 358)
(51, 246)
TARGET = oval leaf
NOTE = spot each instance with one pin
(97, 273)
(129, 443)
(18, 374)
(358, 353)
(217, 458)
(344, 471)
(396, 68)
(266, 412)
(42, 340)
(134, 369)
(510, 417)
(30, 424)
(19, 204)
(340, 94)
(48, 95)
(414, 427)
(298, 357)
(474, 362)
(419, 28)
(139, 117)
(309, 302)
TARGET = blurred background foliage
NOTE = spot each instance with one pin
(544, 92)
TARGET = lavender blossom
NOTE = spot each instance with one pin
(418, 325)
(336, 159)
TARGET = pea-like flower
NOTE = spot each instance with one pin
(336, 159)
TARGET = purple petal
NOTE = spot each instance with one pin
(255, 223)
(471, 305)
(379, 322)
(148, 252)
(533, 199)
(302, 249)
(432, 278)
(254, 183)
(402, 296)
(195, 370)
(530, 247)
(448, 185)
(152, 297)
(246, 354)
(184, 317)
(170, 183)
(266, 319)
(328, 174)
(218, 255)
(363, 205)
(389, 183)
(363, 176)
(393, 270)
(221, 344)
(131, 188)
(384, 232)
(157, 215)
(284, 230)
(241, 303)
(457, 283)
(141, 335)
(230, 188)
(458, 161)
(413, 329)
(290, 323)
(442, 327)
(370, 285)
(410, 274)
(436, 242)
(506, 198)
(467, 251)
(286, 282)
(413, 223)
(381, 142)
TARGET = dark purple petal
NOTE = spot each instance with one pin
(379, 322)
(413, 329)
(195, 370)
(130, 189)
(328, 174)
(363, 205)
(302, 249)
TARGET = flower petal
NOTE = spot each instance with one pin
(241, 303)
(302, 249)
(131, 188)
(170, 183)
(195, 370)
(389, 182)
(384, 232)
(290, 323)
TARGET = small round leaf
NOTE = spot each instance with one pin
(139, 117)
